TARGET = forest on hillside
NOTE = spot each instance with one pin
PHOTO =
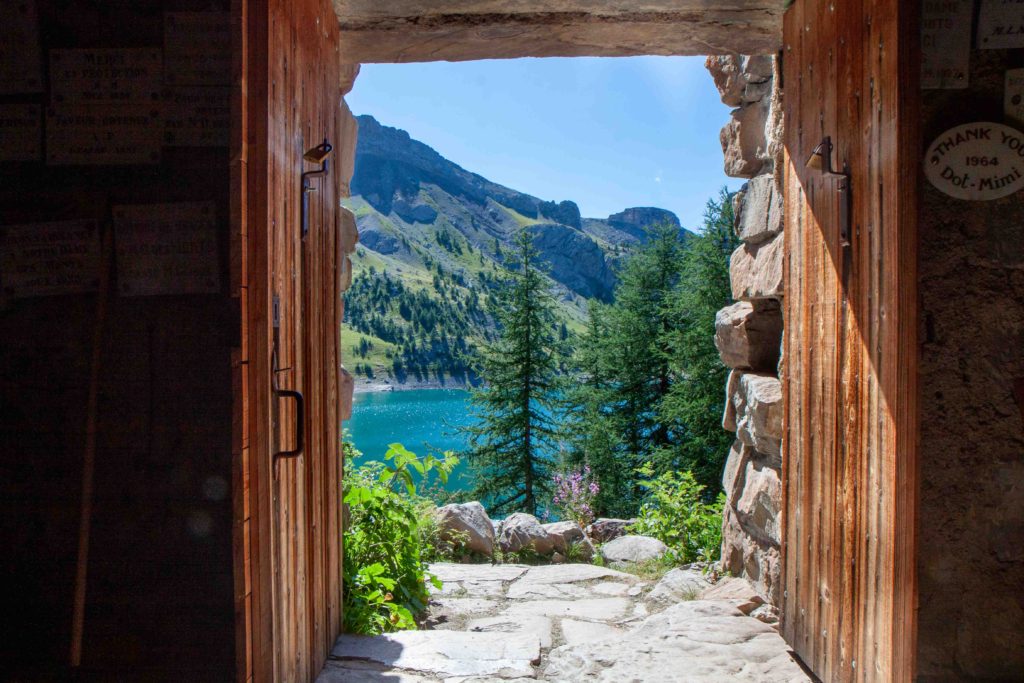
(635, 395)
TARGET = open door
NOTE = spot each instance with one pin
(286, 192)
(850, 461)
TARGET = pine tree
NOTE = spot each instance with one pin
(615, 424)
(512, 441)
(695, 399)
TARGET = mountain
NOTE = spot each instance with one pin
(433, 238)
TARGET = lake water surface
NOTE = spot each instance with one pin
(422, 420)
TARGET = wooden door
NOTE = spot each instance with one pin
(850, 483)
(288, 481)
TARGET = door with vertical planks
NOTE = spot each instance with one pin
(850, 461)
(288, 511)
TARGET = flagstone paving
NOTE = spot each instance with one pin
(570, 622)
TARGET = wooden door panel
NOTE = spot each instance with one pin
(849, 471)
(289, 534)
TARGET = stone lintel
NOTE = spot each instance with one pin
(406, 31)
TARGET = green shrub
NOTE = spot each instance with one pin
(674, 512)
(385, 571)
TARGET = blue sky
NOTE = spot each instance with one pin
(607, 133)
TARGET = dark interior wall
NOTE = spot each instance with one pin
(971, 521)
(160, 587)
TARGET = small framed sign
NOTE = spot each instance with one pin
(166, 249)
(197, 48)
(106, 76)
(21, 64)
(103, 135)
(197, 116)
(1000, 24)
(21, 132)
(47, 259)
(945, 44)
(977, 161)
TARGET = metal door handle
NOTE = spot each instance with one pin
(300, 423)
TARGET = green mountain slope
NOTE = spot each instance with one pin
(433, 239)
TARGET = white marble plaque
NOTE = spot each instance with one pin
(106, 76)
(21, 132)
(977, 161)
(114, 135)
(166, 249)
(197, 116)
(46, 259)
(197, 48)
(1013, 97)
(1001, 24)
(21, 64)
(945, 44)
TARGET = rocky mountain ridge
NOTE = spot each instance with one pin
(410, 190)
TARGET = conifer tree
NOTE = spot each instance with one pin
(512, 441)
(695, 399)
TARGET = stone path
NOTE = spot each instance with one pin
(573, 622)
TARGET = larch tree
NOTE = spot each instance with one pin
(513, 438)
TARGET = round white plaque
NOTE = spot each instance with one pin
(977, 161)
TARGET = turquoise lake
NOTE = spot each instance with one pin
(422, 420)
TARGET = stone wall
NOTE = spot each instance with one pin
(971, 389)
(748, 333)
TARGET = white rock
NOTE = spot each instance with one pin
(468, 520)
(693, 641)
(521, 531)
(755, 270)
(604, 609)
(761, 502)
(580, 632)
(564, 534)
(677, 586)
(735, 591)
(445, 653)
(539, 626)
(757, 404)
(748, 336)
(759, 214)
(633, 549)
(450, 571)
(744, 145)
(570, 573)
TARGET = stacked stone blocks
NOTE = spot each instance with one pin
(748, 334)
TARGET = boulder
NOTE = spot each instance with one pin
(633, 549)
(755, 270)
(761, 502)
(738, 77)
(521, 531)
(758, 210)
(677, 586)
(743, 140)
(605, 529)
(745, 555)
(727, 73)
(735, 591)
(757, 412)
(748, 335)
(471, 520)
(734, 474)
(564, 534)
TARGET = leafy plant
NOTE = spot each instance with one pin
(385, 572)
(675, 513)
(574, 495)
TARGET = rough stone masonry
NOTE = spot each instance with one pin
(748, 334)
